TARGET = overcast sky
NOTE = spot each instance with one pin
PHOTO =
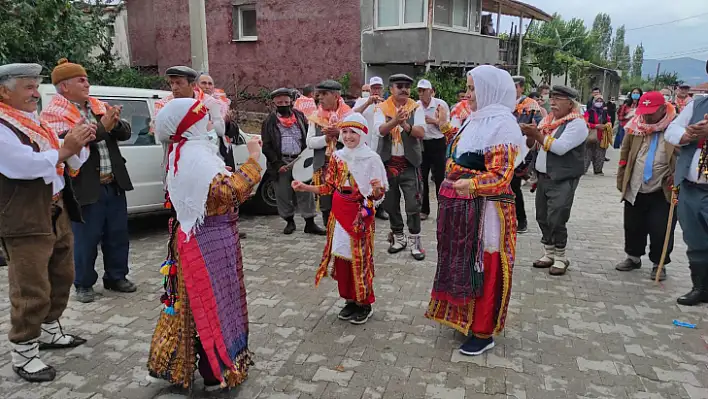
(668, 40)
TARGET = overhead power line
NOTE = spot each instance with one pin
(667, 22)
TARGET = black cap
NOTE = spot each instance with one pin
(183, 71)
(565, 91)
(281, 92)
(329, 85)
(400, 78)
(519, 80)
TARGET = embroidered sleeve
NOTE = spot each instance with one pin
(499, 162)
(244, 179)
(332, 178)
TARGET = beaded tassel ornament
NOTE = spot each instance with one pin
(168, 269)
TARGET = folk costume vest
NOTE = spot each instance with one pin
(571, 165)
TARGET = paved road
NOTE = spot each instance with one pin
(594, 333)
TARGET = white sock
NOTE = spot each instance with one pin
(52, 334)
(634, 259)
(560, 255)
(25, 355)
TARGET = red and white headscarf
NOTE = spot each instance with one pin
(363, 163)
(193, 159)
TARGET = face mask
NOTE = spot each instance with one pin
(284, 110)
(598, 104)
(546, 97)
(365, 94)
(635, 96)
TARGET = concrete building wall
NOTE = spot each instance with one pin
(121, 44)
(463, 47)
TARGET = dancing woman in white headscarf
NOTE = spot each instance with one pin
(205, 313)
(357, 178)
(476, 216)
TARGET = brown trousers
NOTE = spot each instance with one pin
(40, 274)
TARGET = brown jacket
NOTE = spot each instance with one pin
(628, 159)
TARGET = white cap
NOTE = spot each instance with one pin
(376, 81)
(424, 84)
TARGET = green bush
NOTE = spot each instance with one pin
(446, 81)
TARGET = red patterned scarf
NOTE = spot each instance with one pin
(637, 127)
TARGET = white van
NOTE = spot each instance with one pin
(144, 156)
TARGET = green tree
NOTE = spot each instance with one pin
(619, 54)
(557, 46)
(44, 31)
(602, 36)
(638, 60)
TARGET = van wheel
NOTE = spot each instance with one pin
(264, 202)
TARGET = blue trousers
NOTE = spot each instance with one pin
(105, 223)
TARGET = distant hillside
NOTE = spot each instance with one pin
(690, 70)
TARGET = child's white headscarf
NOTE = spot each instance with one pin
(193, 159)
(363, 163)
(493, 123)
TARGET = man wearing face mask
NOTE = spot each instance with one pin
(682, 97)
(645, 178)
(284, 133)
(598, 139)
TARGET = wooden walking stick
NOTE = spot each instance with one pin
(674, 201)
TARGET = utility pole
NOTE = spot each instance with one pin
(198, 36)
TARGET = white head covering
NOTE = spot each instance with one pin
(363, 163)
(493, 123)
(198, 164)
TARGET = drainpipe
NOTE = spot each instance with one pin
(198, 36)
(521, 43)
(430, 36)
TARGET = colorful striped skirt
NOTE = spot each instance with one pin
(212, 305)
(479, 234)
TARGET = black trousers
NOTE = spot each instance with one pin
(648, 217)
(433, 160)
(520, 207)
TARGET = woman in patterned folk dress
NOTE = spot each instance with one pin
(357, 177)
(476, 217)
(205, 315)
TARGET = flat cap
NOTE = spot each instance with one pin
(183, 71)
(519, 79)
(565, 91)
(329, 85)
(10, 71)
(400, 77)
(281, 92)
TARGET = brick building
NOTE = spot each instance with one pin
(266, 44)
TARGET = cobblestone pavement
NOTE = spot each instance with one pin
(594, 333)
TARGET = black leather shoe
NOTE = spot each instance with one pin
(44, 375)
(290, 227)
(662, 276)
(628, 265)
(242, 235)
(693, 298)
(312, 228)
(120, 286)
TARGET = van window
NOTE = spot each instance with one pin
(137, 113)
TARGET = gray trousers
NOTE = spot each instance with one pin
(554, 200)
(288, 200)
(596, 156)
(409, 183)
(693, 216)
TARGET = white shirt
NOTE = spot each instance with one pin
(432, 131)
(369, 114)
(397, 149)
(575, 134)
(675, 132)
(20, 162)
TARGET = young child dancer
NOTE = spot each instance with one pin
(356, 178)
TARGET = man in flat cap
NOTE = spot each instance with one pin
(323, 135)
(37, 203)
(101, 184)
(401, 128)
(284, 135)
(690, 132)
(182, 82)
(560, 141)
